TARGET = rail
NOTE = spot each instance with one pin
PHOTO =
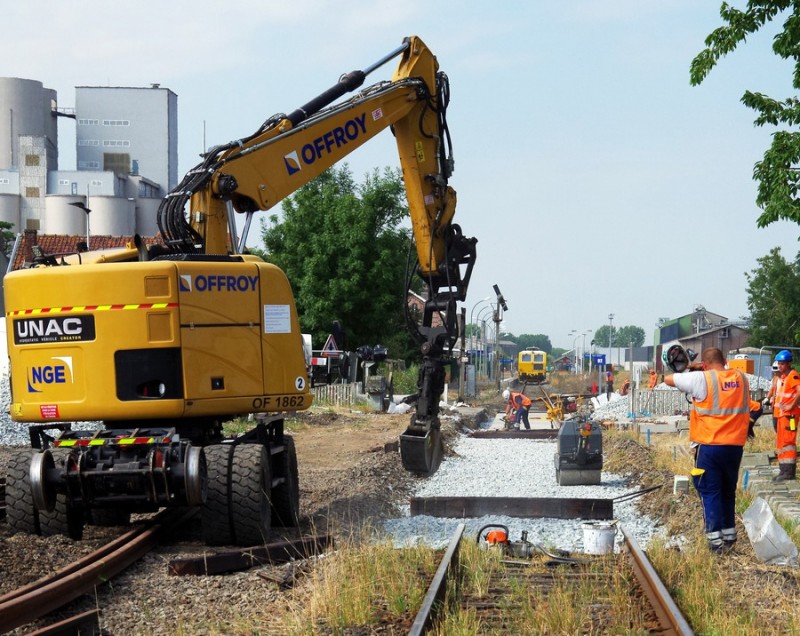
(669, 621)
(32, 601)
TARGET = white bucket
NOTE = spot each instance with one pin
(680, 484)
(598, 537)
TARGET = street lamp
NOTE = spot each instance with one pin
(583, 350)
(575, 348)
(482, 335)
(472, 313)
(82, 206)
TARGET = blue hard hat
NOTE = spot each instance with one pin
(783, 356)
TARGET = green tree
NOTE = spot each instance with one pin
(630, 334)
(343, 250)
(601, 336)
(538, 340)
(6, 237)
(777, 174)
(773, 298)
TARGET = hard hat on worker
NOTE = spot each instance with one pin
(506, 394)
(783, 356)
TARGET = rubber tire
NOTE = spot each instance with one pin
(64, 518)
(251, 483)
(286, 496)
(216, 515)
(21, 514)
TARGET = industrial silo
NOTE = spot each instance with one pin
(27, 109)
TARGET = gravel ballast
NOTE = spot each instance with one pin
(515, 468)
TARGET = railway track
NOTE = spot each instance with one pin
(30, 602)
(516, 585)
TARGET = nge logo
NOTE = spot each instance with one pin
(39, 377)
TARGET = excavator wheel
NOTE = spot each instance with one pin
(237, 510)
(251, 485)
(286, 496)
(217, 528)
(64, 518)
(421, 454)
(21, 513)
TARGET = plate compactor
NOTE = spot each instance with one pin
(579, 458)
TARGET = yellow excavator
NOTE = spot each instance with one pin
(163, 343)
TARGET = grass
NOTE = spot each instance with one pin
(365, 584)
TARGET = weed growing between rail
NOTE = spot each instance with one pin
(364, 585)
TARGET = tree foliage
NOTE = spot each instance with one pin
(7, 237)
(601, 336)
(538, 340)
(777, 173)
(620, 337)
(343, 250)
(773, 298)
(630, 335)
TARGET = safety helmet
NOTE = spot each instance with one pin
(506, 394)
(783, 356)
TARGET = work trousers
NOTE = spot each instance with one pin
(716, 486)
(522, 416)
(786, 442)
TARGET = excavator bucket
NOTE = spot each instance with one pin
(421, 452)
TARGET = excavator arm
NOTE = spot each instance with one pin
(288, 151)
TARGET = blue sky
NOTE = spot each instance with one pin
(596, 179)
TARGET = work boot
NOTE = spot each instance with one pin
(785, 472)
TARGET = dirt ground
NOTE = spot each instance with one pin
(350, 470)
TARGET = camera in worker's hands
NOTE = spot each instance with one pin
(679, 359)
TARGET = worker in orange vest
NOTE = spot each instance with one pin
(718, 429)
(651, 383)
(521, 404)
(609, 383)
(786, 403)
(773, 391)
(626, 387)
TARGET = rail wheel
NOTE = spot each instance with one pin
(286, 496)
(21, 514)
(64, 518)
(251, 483)
(217, 528)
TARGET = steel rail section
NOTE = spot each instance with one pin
(665, 608)
(32, 601)
(671, 620)
(434, 598)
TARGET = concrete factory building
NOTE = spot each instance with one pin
(126, 158)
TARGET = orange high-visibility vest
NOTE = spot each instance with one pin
(520, 399)
(787, 390)
(723, 416)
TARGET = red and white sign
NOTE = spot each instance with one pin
(330, 350)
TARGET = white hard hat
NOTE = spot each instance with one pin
(506, 394)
